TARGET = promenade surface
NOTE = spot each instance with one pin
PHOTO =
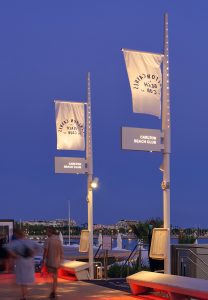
(74, 290)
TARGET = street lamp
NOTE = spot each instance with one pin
(92, 184)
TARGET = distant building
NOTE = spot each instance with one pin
(122, 224)
(55, 223)
(98, 226)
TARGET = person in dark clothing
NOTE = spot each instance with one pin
(4, 254)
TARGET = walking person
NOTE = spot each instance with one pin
(52, 256)
(23, 250)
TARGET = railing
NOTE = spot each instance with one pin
(97, 251)
(136, 252)
(189, 263)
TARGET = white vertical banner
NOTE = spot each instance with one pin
(70, 125)
(145, 77)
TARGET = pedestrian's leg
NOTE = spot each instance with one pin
(23, 291)
(7, 264)
(54, 285)
(55, 279)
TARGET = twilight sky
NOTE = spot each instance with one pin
(47, 48)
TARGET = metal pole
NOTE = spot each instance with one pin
(89, 159)
(69, 224)
(167, 146)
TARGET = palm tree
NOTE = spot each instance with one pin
(139, 229)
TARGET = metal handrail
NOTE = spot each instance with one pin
(131, 255)
(187, 249)
(196, 256)
(126, 261)
(97, 251)
(198, 266)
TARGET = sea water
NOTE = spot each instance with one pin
(129, 244)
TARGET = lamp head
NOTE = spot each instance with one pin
(161, 168)
(94, 183)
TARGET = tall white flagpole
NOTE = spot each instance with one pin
(167, 145)
(89, 158)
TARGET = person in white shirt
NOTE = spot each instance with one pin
(52, 256)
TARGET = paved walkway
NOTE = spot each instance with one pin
(74, 290)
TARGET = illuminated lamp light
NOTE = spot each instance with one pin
(161, 168)
(94, 183)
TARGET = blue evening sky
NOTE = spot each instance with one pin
(46, 49)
